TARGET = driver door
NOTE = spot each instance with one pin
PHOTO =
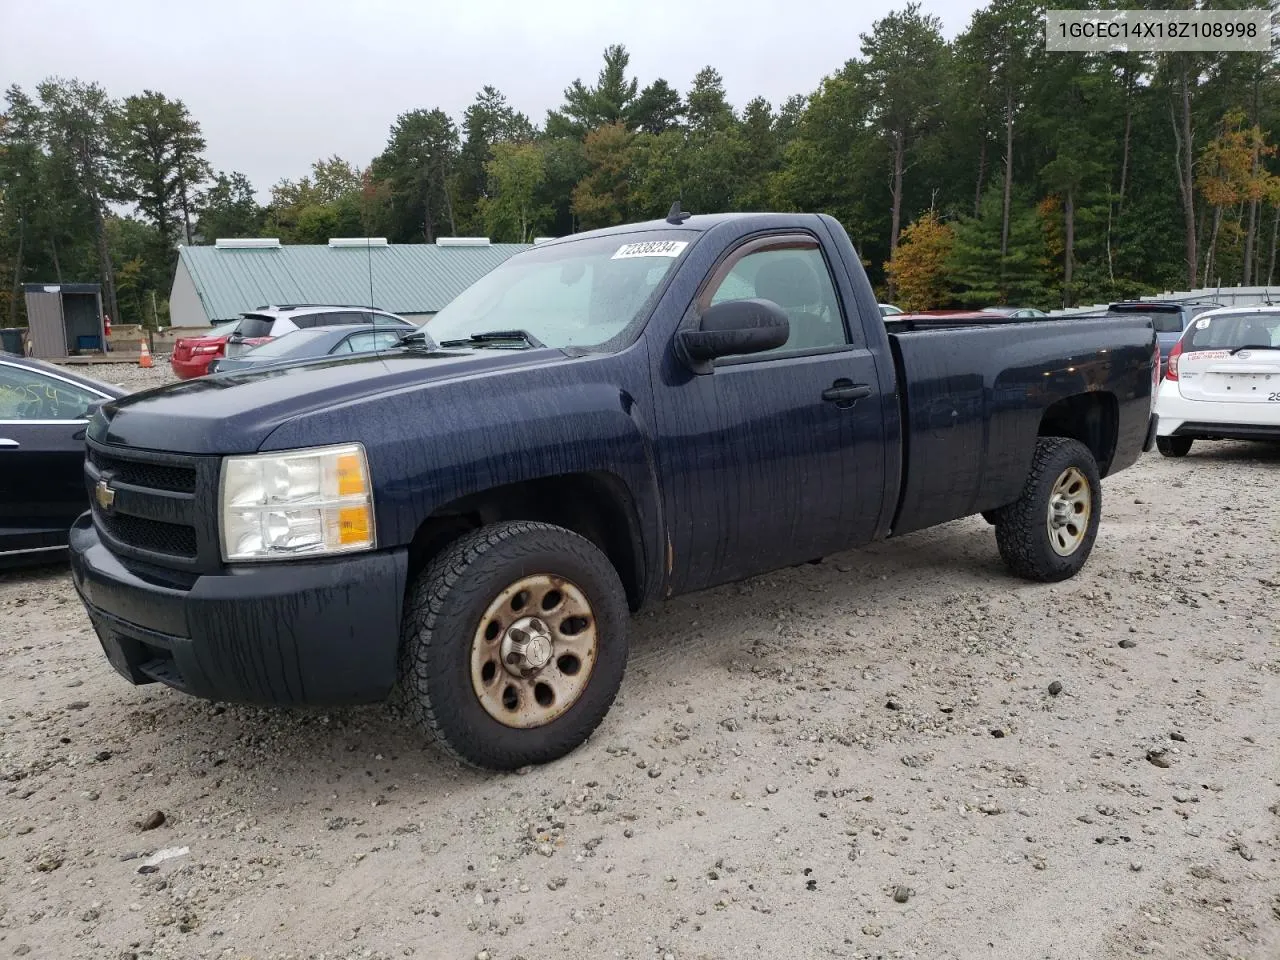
(42, 426)
(774, 458)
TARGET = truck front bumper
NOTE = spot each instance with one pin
(318, 633)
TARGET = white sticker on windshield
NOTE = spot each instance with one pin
(1202, 323)
(650, 248)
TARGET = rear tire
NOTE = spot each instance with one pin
(1047, 534)
(1174, 446)
(513, 645)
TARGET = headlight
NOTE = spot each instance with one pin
(304, 503)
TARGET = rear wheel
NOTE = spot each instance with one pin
(1048, 533)
(1174, 446)
(513, 644)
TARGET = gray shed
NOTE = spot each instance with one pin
(64, 318)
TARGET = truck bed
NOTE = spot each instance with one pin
(973, 399)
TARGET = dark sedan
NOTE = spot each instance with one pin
(313, 343)
(43, 414)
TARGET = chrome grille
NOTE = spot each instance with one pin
(151, 507)
(141, 474)
(154, 536)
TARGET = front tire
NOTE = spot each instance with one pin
(513, 645)
(1174, 446)
(1047, 534)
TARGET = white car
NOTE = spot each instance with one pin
(1222, 381)
(266, 323)
(889, 310)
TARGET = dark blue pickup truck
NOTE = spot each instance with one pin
(464, 521)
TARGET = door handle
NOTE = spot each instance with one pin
(846, 392)
(6, 444)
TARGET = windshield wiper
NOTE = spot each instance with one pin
(1253, 346)
(495, 337)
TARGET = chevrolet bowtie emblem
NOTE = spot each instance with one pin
(104, 495)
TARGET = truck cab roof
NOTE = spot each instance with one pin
(699, 223)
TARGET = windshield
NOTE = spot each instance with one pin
(222, 329)
(1165, 317)
(254, 325)
(284, 346)
(579, 294)
(1232, 330)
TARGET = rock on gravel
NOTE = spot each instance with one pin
(1159, 758)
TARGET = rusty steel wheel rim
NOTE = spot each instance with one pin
(533, 651)
(1070, 507)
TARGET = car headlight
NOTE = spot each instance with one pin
(303, 503)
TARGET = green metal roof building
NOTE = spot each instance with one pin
(216, 283)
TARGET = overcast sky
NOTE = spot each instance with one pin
(276, 85)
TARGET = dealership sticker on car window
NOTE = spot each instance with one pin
(1202, 323)
(650, 248)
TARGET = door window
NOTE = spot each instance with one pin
(342, 319)
(27, 395)
(368, 342)
(793, 274)
(385, 320)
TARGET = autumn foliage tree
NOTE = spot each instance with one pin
(601, 198)
(918, 270)
(1231, 175)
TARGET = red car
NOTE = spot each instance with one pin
(192, 355)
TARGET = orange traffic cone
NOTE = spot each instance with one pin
(144, 358)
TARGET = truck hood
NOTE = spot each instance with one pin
(237, 411)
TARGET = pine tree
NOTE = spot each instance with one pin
(980, 276)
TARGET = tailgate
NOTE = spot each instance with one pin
(1249, 376)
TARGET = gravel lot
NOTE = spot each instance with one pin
(862, 758)
(129, 375)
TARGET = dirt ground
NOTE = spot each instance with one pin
(857, 759)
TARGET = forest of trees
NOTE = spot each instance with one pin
(972, 172)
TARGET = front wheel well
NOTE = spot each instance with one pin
(1091, 418)
(596, 506)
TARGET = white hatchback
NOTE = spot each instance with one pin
(1222, 381)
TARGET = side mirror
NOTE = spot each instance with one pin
(733, 328)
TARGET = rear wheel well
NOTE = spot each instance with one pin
(593, 505)
(1091, 418)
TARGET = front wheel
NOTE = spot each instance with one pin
(1174, 446)
(513, 644)
(1048, 532)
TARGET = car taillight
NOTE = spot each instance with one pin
(1171, 371)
